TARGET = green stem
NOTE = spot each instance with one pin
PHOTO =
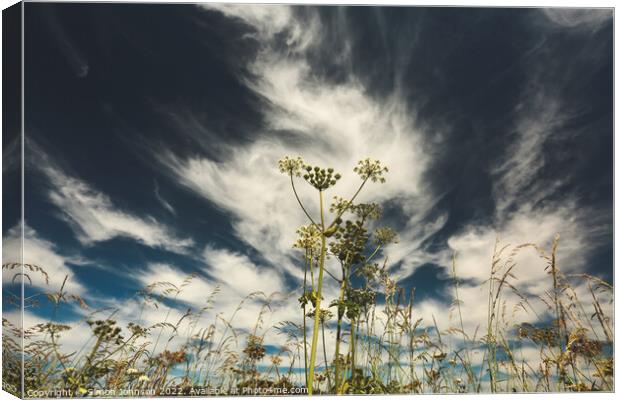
(304, 322)
(345, 208)
(301, 204)
(352, 349)
(317, 308)
(374, 253)
(491, 357)
(467, 365)
(329, 379)
(339, 332)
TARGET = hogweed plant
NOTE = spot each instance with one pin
(350, 240)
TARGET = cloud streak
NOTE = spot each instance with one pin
(163, 202)
(94, 217)
(333, 119)
(334, 124)
(42, 253)
(578, 18)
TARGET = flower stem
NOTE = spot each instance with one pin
(301, 204)
(317, 308)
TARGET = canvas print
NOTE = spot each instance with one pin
(230, 199)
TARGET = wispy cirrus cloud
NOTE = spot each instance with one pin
(73, 55)
(43, 254)
(226, 281)
(337, 123)
(530, 205)
(257, 16)
(163, 202)
(328, 124)
(94, 217)
(578, 17)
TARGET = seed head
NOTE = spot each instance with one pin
(340, 205)
(369, 169)
(385, 236)
(308, 238)
(320, 178)
(367, 210)
(254, 348)
(291, 166)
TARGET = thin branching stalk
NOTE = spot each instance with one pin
(317, 299)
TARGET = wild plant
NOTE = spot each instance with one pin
(382, 343)
(322, 179)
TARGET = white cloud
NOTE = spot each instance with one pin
(269, 20)
(70, 341)
(474, 249)
(163, 202)
(526, 210)
(42, 253)
(94, 217)
(233, 275)
(158, 272)
(538, 118)
(235, 278)
(327, 124)
(240, 273)
(335, 125)
(578, 17)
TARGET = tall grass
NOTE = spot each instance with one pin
(380, 343)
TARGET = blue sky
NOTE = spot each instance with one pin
(153, 134)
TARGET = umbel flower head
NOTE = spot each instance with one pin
(320, 178)
(291, 166)
(339, 205)
(367, 210)
(350, 242)
(385, 236)
(369, 169)
(324, 314)
(308, 238)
